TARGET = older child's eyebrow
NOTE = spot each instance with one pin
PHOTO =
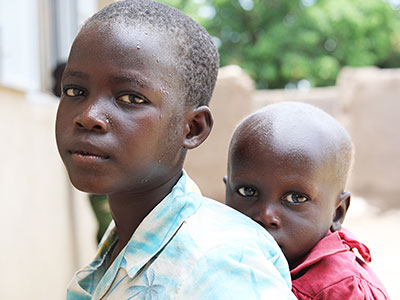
(74, 74)
(128, 79)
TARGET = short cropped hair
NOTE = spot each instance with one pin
(197, 59)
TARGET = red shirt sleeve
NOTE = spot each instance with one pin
(351, 288)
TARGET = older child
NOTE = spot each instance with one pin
(287, 170)
(135, 93)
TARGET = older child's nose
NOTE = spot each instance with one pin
(92, 119)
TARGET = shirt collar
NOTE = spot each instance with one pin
(329, 245)
(333, 243)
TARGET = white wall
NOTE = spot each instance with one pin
(40, 214)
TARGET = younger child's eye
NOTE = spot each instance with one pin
(73, 92)
(247, 191)
(295, 198)
(131, 99)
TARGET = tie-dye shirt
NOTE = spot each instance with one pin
(189, 247)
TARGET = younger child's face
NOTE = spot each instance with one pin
(286, 194)
(120, 120)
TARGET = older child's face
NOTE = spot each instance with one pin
(120, 120)
(286, 194)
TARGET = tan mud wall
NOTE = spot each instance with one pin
(48, 228)
(366, 101)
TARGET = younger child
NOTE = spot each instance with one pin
(287, 170)
(135, 93)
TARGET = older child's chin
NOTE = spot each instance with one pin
(88, 186)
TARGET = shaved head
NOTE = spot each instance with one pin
(294, 129)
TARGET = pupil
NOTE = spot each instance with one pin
(249, 192)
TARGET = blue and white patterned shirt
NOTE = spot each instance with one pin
(190, 248)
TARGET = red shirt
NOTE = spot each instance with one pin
(332, 271)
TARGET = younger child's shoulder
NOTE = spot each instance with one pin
(333, 271)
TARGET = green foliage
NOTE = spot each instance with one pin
(283, 41)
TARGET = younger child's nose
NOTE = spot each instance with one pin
(268, 218)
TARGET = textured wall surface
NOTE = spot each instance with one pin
(370, 107)
(49, 230)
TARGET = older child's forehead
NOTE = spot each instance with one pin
(131, 55)
(121, 41)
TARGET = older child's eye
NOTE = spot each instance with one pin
(247, 191)
(295, 198)
(73, 92)
(131, 99)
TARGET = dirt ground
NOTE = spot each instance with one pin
(379, 230)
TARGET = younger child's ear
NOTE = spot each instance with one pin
(341, 210)
(198, 126)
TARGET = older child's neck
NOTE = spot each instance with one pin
(129, 209)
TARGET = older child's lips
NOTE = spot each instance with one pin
(88, 156)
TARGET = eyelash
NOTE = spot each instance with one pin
(73, 89)
(303, 198)
(129, 98)
(132, 99)
(247, 191)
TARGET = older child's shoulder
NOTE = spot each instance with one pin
(238, 253)
(215, 225)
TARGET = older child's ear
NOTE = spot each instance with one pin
(198, 127)
(341, 210)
